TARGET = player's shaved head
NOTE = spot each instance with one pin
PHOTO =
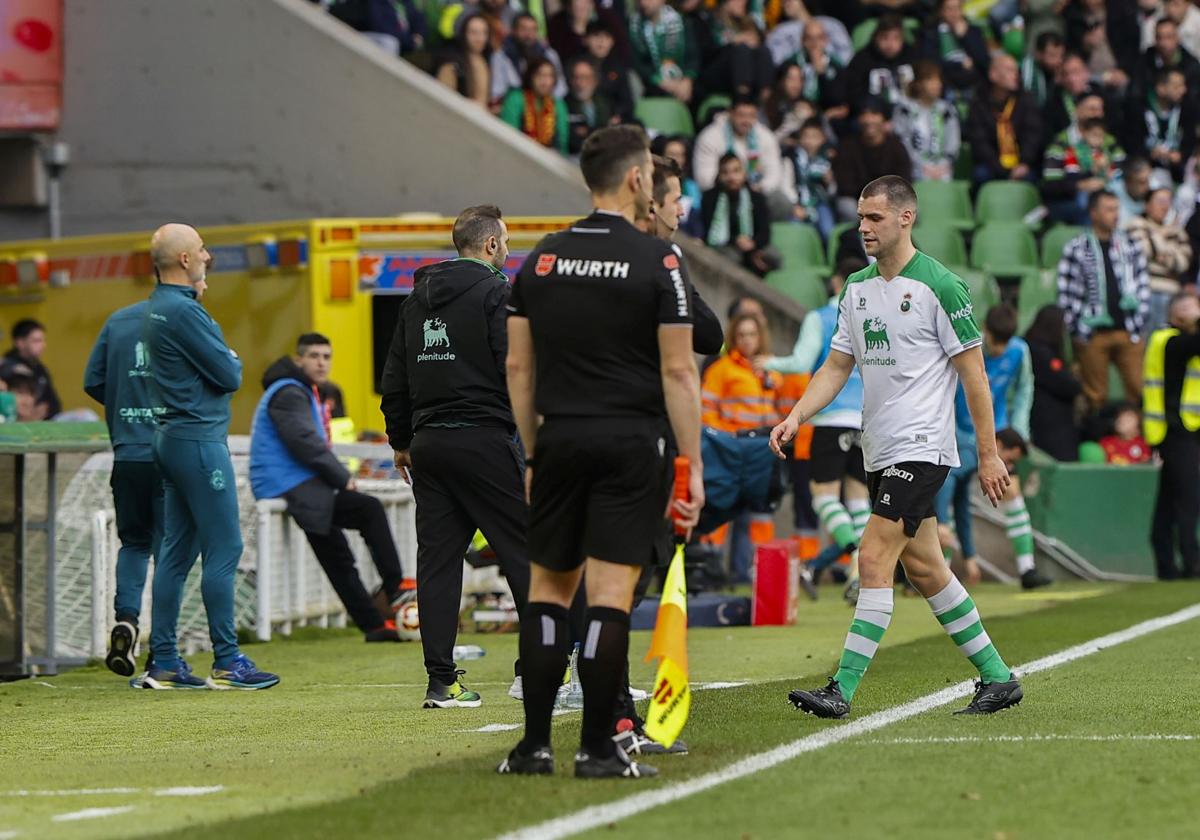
(898, 193)
(169, 241)
(179, 256)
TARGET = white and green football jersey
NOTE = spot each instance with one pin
(902, 333)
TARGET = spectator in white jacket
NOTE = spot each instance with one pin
(742, 133)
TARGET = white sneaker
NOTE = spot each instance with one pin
(517, 690)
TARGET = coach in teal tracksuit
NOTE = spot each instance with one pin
(118, 377)
(195, 375)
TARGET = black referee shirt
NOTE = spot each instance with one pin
(595, 295)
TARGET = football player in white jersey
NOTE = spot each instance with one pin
(906, 321)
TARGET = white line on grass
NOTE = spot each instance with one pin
(171, 791)
(8, 835)
(601, 815)
(189, 791)
(91, 813)
(1016, 739)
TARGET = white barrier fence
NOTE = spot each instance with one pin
(280, 585)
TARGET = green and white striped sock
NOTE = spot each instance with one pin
(955, 611)
(860, 512)
(872, 615)
(835, 519)
(1020, 533)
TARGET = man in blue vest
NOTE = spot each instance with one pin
(836, 465)
(118, 377)
(194, 374)
(290, 458)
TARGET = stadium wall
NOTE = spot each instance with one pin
(217, 112)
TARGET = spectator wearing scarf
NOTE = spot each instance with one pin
(1004, 127)
(1104, 292)
(736, 219)
(1039, 69)
(958, 48)
(535, 111)
(1164, 130)
(928, 125)
(739, 132)
(665, 54)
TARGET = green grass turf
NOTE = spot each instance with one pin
(329, 754)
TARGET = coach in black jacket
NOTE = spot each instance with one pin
(445, 400)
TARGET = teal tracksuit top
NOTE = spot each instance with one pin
(194, 372)
(118, 377)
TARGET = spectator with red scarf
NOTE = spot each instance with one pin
(535, 111)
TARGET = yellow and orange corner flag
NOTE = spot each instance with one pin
(672, 697)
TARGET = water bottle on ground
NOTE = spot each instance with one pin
(463, 653)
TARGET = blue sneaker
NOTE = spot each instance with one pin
(242, 674)
(182, 678)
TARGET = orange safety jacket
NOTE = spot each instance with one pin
(735, 398)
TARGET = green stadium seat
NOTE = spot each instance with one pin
(964, 164)
(834, 235)
(665, 114)
(943, 243)
(799, 244)
(1005, 201)
(944, 203)
(710, 105)
(1036, 289)
(1054, 241)
(985, 293)
(1004, 250)
(807, 286)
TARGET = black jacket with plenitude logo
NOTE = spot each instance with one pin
(446, 363)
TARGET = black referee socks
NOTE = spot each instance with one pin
(602, 661)
(545, 647)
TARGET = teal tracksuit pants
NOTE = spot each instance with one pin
(200, 512)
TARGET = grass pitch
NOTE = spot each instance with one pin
(1107, 746)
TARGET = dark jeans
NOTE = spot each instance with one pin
(365, 514)
(1177, 508)
(464, 479)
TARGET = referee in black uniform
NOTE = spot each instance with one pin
(600, 346)
(448, 419)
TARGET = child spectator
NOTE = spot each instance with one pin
(535, 111)
(1081, 160)
(813, 173)
(928, 126)
(736, 219)
(1126, 444)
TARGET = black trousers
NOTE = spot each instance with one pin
(1177, 508)
(364, 514)
(464, 479)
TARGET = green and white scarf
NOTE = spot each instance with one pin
(665, 39)
(1122, 261)
(1033, 79)
(718, 231)
(948, 45)
(1155, 135)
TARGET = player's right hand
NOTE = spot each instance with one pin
(782, 435)
(993, 479)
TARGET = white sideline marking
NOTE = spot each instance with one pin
(715, 685)
(171, 791)
(189, 791)
(1005, 739)
(91, 813)
(601, 815)
(7, 835)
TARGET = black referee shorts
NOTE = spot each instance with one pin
(836, 453)
(907, 492)
(600, 489)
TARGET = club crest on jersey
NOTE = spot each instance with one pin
(545, 264)
(906, 304)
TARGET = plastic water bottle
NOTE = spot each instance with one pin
(574, 693)
(462, 653)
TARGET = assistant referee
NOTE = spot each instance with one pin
(600, 346)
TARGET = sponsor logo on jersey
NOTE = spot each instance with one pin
(671, 261)
(435, 336)
(589, 268)
(965, 312)
(545, 264)
(895, 472)
(886, 499)
(141, 361)
(681, 295)
(862, 303)
(875, 334)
